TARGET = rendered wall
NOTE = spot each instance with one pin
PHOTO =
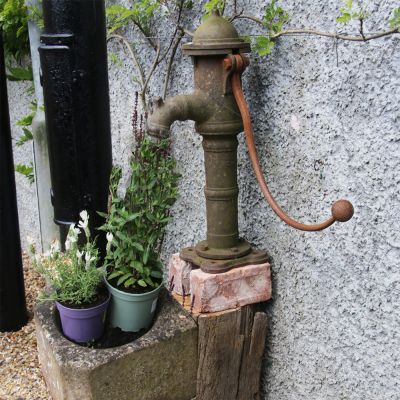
(326, 127)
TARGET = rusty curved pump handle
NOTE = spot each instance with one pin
(342, 210)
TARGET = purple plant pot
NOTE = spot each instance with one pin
(83, 324)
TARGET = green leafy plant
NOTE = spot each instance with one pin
(212, 5)
(140, 14)
(136, 222)
(26, 170)
(347, 12)
(394, 22)
(72, 275)
(273, 21)
(14, 23)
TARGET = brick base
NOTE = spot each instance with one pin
(218, 292)
(179, 275)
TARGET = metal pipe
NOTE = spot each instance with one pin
(13, 314)
(75, 83)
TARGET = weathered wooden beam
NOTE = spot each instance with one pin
(231, 347)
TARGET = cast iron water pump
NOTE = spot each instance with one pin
(220, 112)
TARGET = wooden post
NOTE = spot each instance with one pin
(231, 347)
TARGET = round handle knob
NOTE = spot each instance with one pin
(342, 210)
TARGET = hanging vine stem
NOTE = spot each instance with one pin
(334, 35)
(172, 47)
(171, 61)
(132, 54)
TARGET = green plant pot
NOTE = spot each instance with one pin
(131, 312)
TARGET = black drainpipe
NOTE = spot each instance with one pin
(73, 56)
(13, 314)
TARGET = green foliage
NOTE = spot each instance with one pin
(14, 22)
(25, 137)
(136, 223)
(274, 18)
(73, 275)
(273, 21)
(263, 45)
(26, 170)
(394, 22)
(141, 14)
(212, 5)
(115, 59)
(20, 74)
(347, 12)
(36, 14)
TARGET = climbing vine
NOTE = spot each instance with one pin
(143, 14)
(14, 18)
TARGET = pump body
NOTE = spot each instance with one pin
(217, 118)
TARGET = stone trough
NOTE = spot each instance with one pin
(160, 365)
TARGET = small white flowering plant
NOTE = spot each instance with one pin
(72, 276)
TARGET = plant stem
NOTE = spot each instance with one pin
(361, 38)
(132, 55)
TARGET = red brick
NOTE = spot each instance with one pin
(235, 288)
(179, 275)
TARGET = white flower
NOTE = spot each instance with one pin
(84, 215)
(73, 234)
(54, 247)
(110, 238)
(83, 223)
(79, 254)
(67, 244)
(88, 259)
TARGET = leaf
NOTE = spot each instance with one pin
(26, 170)
(129, 282)
(27, 120)
(344, 18)
(20, 74)
(115, 274)
(394, 22)
(26, 137)
(123, 279)
(137, 265)
(137, 246)
(156, 274)
(263, 45)
(142, 283)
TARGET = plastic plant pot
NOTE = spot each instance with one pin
(83, 324)
(132, 312)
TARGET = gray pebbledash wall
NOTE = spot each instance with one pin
(327, 126)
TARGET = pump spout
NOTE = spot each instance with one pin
(178, 108)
